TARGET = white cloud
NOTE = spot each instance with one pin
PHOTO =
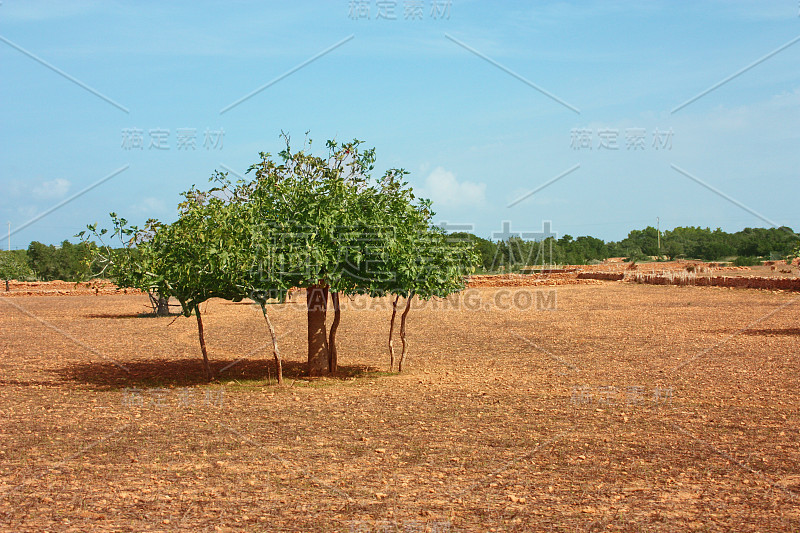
(150, 206)
(445, 190)
(52, 189)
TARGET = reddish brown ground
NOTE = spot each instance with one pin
(567, 275)
(627, 408)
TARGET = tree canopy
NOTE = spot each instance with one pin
(321, 223)
(14, 265)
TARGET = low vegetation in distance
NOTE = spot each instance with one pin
(750, 246)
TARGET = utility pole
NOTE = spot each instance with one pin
(9, 236)
(658, 230)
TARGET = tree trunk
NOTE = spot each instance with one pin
(391, 333)
(317, 305)
(162, 306)
(206, 366)
(333, 363)
(275, 352)
(403, 331)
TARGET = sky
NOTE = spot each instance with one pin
(587, 118)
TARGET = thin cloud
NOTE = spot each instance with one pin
(51, 190)
(150, 206)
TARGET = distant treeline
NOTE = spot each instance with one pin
(743, 247)
(68, 261)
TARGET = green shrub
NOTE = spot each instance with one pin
(637, 257)
(746, 260)
(14, 265)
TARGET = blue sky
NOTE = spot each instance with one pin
(482, 102)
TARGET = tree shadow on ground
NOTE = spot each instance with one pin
(143, 314)
(187, 372)
(771, 332)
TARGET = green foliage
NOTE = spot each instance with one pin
(642, 242)
(324, 220)
(14, 265)
(311, 218)
(514, 253)
(197, 257)
(127, 265)
(637, 257)
(302, 220)
(429, 263)
(690, 242)
(672, 248)
(486, 249)
(68, 262)
(744, 260)
(305, 220)
(703, 243)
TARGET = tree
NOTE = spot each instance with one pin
(673, 248)
(433, 265)
(319, 223)
(308, 212)
(14, 265)
(486, 248)
(422, 260)
(641, 241)
(66, 262)
(193, 259)
(337, 231)
(42, 260)
(126, 266)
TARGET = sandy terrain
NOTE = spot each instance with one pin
(611, 407)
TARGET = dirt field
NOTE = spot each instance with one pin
(623, 407)
(569, 275)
